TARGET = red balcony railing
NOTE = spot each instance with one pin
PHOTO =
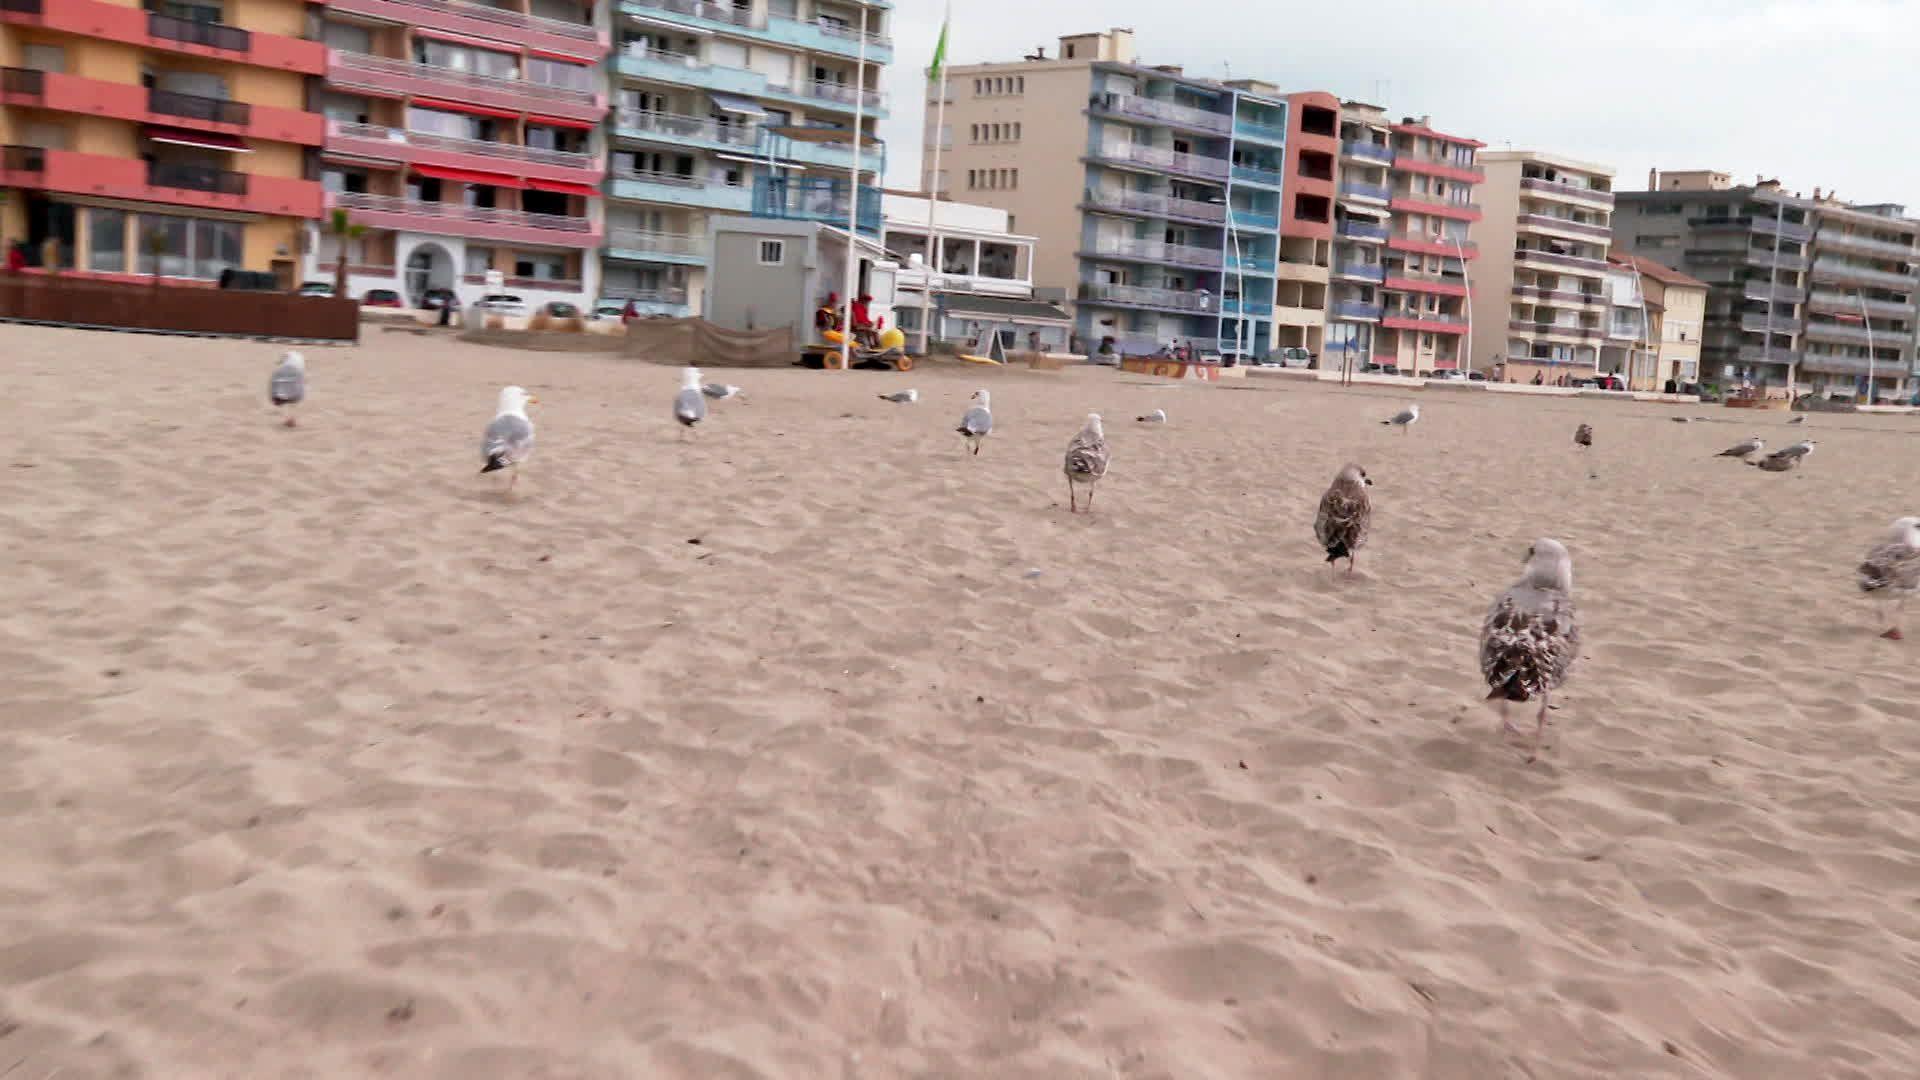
(133, 26)
(459, 219)
(126, 101)
(173, 183)
(390, 75)
(1414, 204)
(393, 144)
(492, 23)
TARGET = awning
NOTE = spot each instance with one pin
(456, 106)
(561, 187)
(560, 121)
(564, 58)
(462, 39)
(734, 104)
(203, 140)
(468, 176)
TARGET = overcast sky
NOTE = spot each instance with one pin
(1816, 93)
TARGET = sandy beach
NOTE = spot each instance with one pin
(813, 747)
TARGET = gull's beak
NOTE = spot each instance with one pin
(1368, 481)
(531, 400)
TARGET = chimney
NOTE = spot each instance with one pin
(1653, 179)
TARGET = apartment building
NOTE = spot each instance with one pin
(1157, 198)
(1542, 264)
(744, 107)
(1801, 289)
(1312, 171)
(462, 137)
(1666, 345)
(1403, 214)
(172, 140)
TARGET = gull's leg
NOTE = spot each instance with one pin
(513, 478)
(1073, 506)
(1539, 727)
(1893, 629)
(1506, 721)
(1352, 557)
(1090, 498)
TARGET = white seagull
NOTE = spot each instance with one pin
(1086, 463)
(901, 397)
(1405, 418)
(720, 391)
(977, 423)
(690, 404)
(1157, 416)
(509, 438)
(1891, 571)
(288, 387)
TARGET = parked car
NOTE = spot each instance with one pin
(1423, 374)
(1451, 374)
(501, 304)
(1477, 376)
(1380, 369)
(249, 280)
(436, 298)
(560, 309)
(608, 309)
(1295, 356)
(384, 298)
(316, 288)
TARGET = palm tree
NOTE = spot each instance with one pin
(342, 230)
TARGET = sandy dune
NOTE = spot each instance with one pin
(769, 755)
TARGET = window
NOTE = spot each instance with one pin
(479, 260)
(773, 252)
(1020, 84)
(188, 247)
(1016, 131)
(540, 266)
(44, 57)
(216, 246)
(163, 245)
(106, 240)
(1069, 52)
(555, 73)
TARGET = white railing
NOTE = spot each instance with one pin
(1148, 203)
(426, 140)
(687, 127)
(349, 62)
(560, 27)
(657, 242)
(707, 9)
(1159, 252)
(1177, 299)
(826, 90)
(691, 183)
(1148, 108)
(852, 33)
(394, 204)
(1168, 159)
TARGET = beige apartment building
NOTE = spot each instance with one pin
(1543, 258)
(1157, 198)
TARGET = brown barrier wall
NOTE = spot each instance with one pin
(79, 302)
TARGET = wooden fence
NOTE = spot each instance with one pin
(113, 305)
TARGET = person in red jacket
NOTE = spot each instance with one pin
(16, 257)
(863, 328)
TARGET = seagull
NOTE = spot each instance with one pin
(1531, 637)
(509, 438)
(1892, 570)
(690, 404)
(1583, 435)
(1777, 463)
(1798, 420)
(977, 423)
(1087, 458)
(1681, 419)
(901, 397)
(1405, 418)
(1745, 448)
(288, 387)
(719, 391)
(1157, 416)
(1799, 450)
(1346, 511)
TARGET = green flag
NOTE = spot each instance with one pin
(939, 52)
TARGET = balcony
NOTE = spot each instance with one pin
(1853, 334)
(1758, 354)
(1833, 364)
(112, 177)
(473, 222)
(639, 245)
(419, 147)
(1363, 232)
(386, 75)
(1767, 226)
(1554, 329)
(642, 125)
(1285, 270)
(1210, 168)
(1847, 303)
(839, 95)
(577, 39)
(1566, 191)
(1251, 264)
(1360, 271)
(1828, 269)
(1145, 204)
(1352, 311)
(1255, 220)
(1251, 308)
(1552, 261)
(1414, 204)
(1370, 192)
(1756, 322)
(817, 36)
(125, 101)
(1784, 292)
(672, 188)
(132, 26)
(1155, 251)
(1830, 240)
(688, 70)
(1095, 292)
(1424, 322)
(1426, 245)
(1445, 168)
(671, 303)
(815, 199)
(1560, 224)
(1253, 129)
(1576, 300)
(1365, 151)
(1757, 258)
(1253, 174)
(1455, 287)
(1162, 112)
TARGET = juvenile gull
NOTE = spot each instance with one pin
(1777, 463)
(1891, 572)
(1798, 420)
(1405, 418)
(690, 404)
(977, 423)
(288, 387)
(1745, 448)
(1346, 511)
(1530, 637)
(1583, 435)
(901, 397)
(1157, 416)
(719, 391)
(1086, 462)
(509, 438)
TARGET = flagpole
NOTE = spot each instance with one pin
(853, 196)
(933, 199)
